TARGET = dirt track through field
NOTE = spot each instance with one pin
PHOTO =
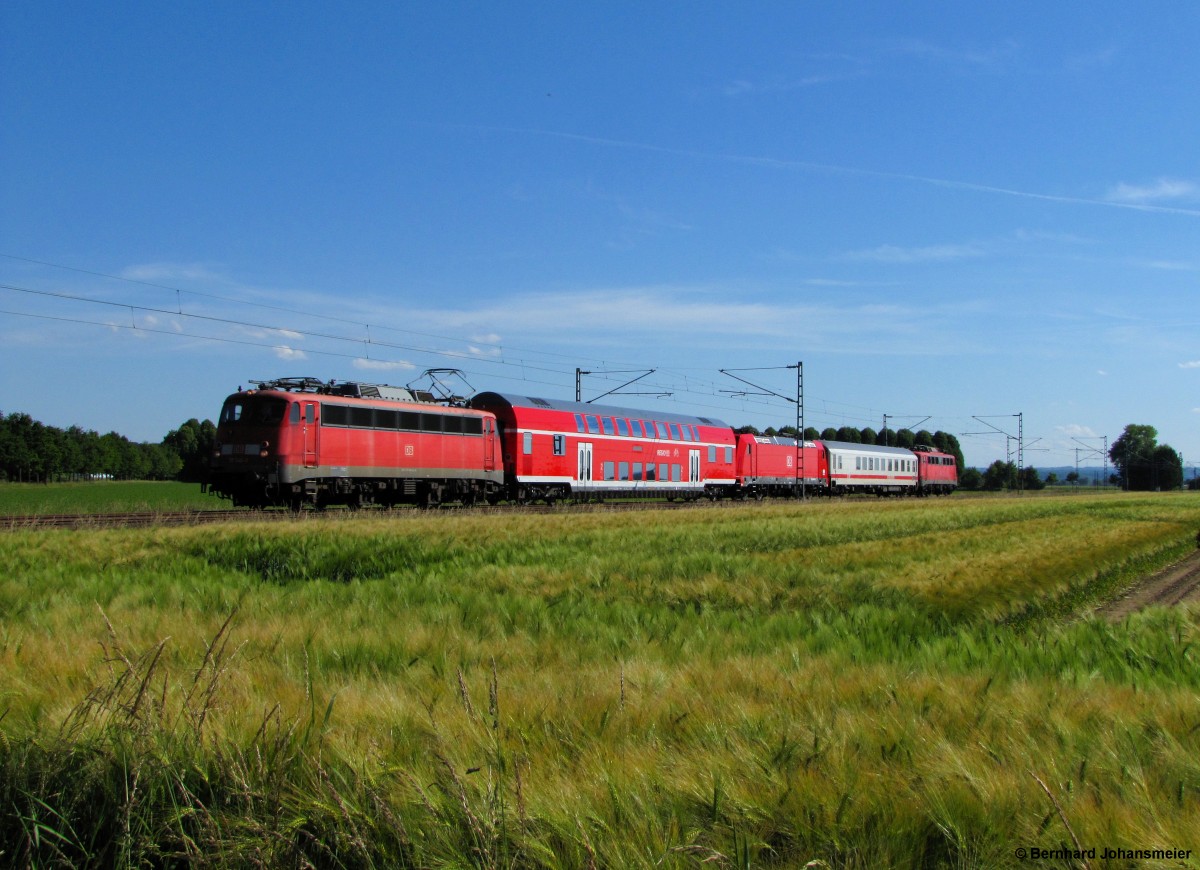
(1172, 585)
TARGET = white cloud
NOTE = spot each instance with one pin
(1163, 188)
(1075, 430)
(1171, 265)
(989, 57)
(289, 353)
(1099, 58)
(927, 254)
(779, 84)
(154, 272)
(269, 333)
(382, 365)
(644, 317)
(1102, 373)
(1193, 364)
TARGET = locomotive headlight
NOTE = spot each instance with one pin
(216, 452)
(263, 448)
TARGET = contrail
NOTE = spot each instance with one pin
(782, 163)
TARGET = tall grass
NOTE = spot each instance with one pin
(861, 684)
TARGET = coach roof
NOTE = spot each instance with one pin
(485, 400)
(867, 448)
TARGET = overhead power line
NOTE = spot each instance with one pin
(504, 362)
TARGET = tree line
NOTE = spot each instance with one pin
(34, 452)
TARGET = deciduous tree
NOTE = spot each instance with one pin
(1144, 464)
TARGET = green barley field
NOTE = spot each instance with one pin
(859, 684)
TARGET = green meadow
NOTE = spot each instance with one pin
(857, 684)
(103, 496)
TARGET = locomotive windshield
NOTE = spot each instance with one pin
(254, 410)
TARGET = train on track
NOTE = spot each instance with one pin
(300, 442)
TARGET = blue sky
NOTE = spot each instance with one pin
(946, 211)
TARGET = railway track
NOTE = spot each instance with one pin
(151, 519)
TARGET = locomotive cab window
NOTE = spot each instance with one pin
(232, 412)
(270, 411)
(294, 414)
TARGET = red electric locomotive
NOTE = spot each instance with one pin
(937, 472)
(297, 441)
(555, 449)
(775, 466)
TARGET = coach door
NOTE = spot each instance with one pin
(309, 423)
(694, 466)
(585, 462)
(489, 444)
